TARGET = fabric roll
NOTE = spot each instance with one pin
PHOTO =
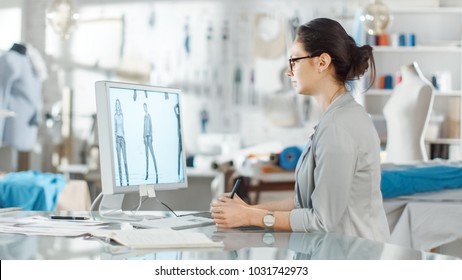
(288, 158)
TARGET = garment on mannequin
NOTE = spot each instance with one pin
(407, 114)
(20, 92)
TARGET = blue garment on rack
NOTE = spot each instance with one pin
(31, 190)
(420, 179)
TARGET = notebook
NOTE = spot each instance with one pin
(156, 238)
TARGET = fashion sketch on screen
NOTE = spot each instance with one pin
(147, 137)
(121, 147)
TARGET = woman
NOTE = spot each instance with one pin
(337, 184)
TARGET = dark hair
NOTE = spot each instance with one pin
(323, 35)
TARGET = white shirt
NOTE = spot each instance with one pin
(338, 178)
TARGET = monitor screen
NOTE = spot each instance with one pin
(140, 137)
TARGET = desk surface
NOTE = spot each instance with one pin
(238, 245)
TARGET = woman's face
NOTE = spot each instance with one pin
(304, 74)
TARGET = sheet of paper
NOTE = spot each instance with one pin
(182, 222)
(158, 238)
(38, 225)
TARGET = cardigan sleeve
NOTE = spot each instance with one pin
(335, 157)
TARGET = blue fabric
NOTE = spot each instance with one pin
(31, 190)
(420, 179)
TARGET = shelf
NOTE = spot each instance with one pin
(426, 49)
(448, 141)
(387, 92)
(438, 48)
(428, 10)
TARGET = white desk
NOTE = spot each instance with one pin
(238, 245)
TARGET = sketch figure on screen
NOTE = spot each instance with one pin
(180, 146)
(120, 140)
(147, 136)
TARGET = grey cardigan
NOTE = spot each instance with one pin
(338, 176)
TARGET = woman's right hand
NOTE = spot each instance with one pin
(236, 199)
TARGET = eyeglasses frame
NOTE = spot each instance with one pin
(292, 60)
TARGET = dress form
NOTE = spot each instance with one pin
(407, 114)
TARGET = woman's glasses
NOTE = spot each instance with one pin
(293, 59)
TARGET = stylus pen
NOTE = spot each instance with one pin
(68, 218)
(235, 187)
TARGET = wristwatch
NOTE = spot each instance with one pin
(268, 239)
(269, 220)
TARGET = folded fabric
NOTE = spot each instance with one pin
(420, 179)
(31, 190)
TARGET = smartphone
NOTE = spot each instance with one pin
(76, 218)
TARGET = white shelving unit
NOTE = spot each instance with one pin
(438, 35)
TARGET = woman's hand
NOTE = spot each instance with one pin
(230, 212)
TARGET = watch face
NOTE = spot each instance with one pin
(268, 220)
(268, 239)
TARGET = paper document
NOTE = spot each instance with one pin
(38, 225)
(157, 238)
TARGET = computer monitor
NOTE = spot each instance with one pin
(140, 141)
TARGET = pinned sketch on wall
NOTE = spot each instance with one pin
(237, 86)
(204, 120)
(294, 22)
(269, 40)
(251, 90)
(225, 42)
(209, 43)
(187, 38)
(209, 60)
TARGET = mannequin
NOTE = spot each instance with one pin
(407, 113)
(20, 48)
(20, 92)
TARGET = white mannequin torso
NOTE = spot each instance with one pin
(407, 113)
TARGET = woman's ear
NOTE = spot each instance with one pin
(324, 61)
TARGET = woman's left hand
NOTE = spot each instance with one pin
(230, 212)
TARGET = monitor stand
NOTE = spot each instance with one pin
(110, 208)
